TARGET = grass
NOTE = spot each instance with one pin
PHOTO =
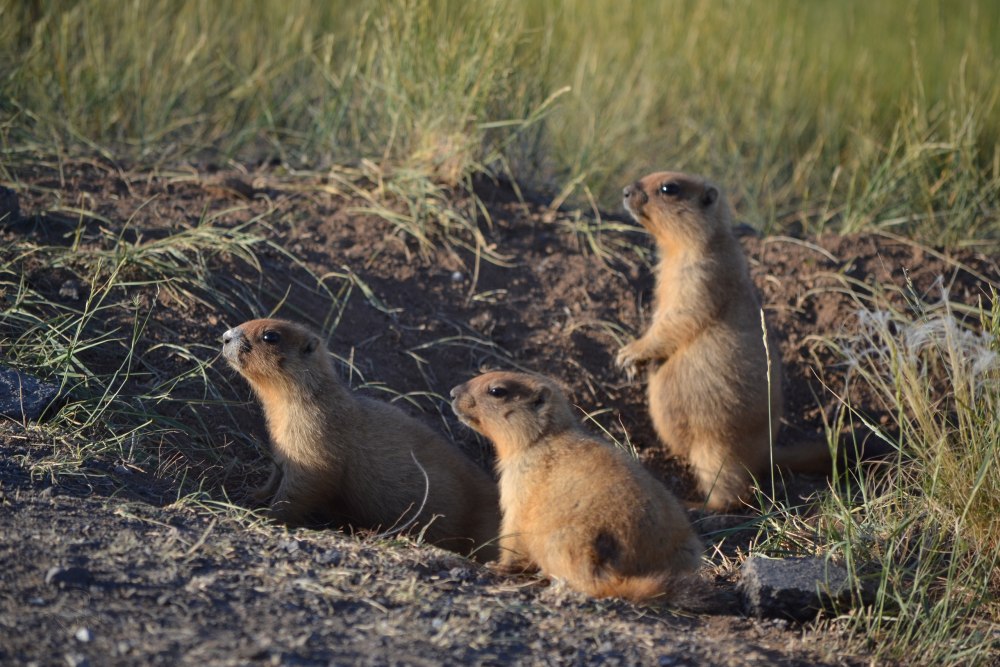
(845, 117)
(923, 535)
(100, 309)
(840, 116)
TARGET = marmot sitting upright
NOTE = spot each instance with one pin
(572, 506)
(712, 398)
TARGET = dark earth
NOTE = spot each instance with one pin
(144, 553)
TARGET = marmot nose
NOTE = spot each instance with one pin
(229, 336)
(454, 392)
(635, 193)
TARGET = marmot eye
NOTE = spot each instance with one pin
(271, 337)
(671, 189)
(497, 392)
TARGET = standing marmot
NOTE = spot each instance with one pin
(708, 382)
(345, 459)
(572, 506)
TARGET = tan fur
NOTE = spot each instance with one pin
(708, 378)
(572, 506)
(344, 459)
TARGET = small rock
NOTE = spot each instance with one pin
(70, 290)
(24, 397)
(795, 588)
(69, 577)
(457, 277)
(329, 557)
(291, 546)
(76, 660)
(83, 635)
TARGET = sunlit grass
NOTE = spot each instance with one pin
(921, 535)
(846, 115)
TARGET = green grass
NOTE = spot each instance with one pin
(137, 388)
(923, 533)
(847, 115)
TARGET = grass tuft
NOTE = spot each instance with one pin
(87, 312)
(922, 532)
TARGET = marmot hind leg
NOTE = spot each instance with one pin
(723, 480)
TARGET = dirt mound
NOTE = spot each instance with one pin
(98, 566)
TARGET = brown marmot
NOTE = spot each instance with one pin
(712, 398)
(344, 459)
(572, 506)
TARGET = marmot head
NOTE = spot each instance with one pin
(513, 410)
(274, 352)
(677, 208)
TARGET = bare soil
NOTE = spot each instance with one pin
(99, 564)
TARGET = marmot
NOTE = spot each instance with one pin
(344, 459)
(572, 506)
(711, 396)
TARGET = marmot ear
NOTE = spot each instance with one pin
(541, 398)
(312, 342)
(709, 196)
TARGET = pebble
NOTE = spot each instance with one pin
(69, 577)
(25, 397)
(84, 635)
(77, 660)
(457, 277)
(70, 290)
(792, 588)
(329, 557)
